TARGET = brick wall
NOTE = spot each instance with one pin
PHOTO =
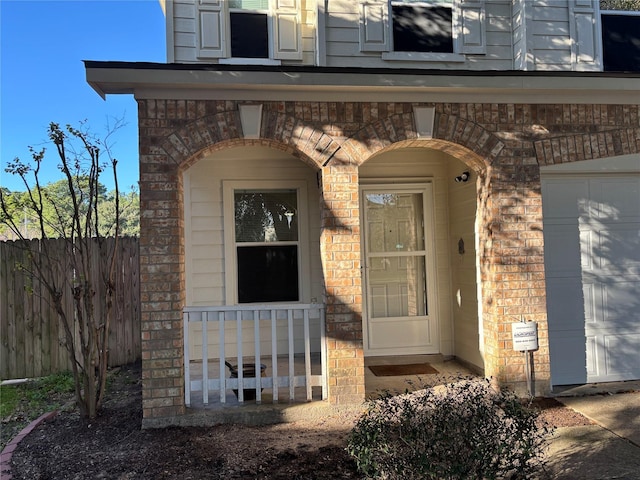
(505, 144)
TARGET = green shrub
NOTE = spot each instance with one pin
(462, 430)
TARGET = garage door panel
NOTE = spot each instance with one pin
(617, 197)
(617, 247)
(563, 247)
(588, 259)
(565, 297)
(591, 356)
(568, 345)
(622, 355)
(564, 198)
(621, 304)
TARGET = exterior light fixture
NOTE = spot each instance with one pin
(464, 177)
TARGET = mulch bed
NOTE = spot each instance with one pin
(114, 447)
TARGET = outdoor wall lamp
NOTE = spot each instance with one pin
(463, 177)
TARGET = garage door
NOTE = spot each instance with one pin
(592, 264)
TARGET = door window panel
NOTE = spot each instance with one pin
(398, 287)
(396, 254)
(392, 222)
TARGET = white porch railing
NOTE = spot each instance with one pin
(272, 327)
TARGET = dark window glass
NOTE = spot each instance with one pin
(266, 216)
(249, 35)
(621, 43)
(268, 273)
(421, 28)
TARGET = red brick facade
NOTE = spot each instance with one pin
(505, 144)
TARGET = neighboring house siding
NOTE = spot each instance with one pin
(343, 41)
(185, 28)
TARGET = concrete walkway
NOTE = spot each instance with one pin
(609, 449)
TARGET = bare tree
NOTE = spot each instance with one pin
(84, 307)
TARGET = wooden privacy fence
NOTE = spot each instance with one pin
(32, 338)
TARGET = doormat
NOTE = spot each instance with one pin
(400, 370)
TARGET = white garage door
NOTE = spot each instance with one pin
(592, 264)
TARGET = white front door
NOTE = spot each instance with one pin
(400, 311)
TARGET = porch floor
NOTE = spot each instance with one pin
(268, 412)
(446, 368)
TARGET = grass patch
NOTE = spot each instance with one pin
(21, 403)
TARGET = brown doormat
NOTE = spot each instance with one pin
(400, 370)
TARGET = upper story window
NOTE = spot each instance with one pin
(438, 30)
(249, 28)
(422, 26)
(249, 31)
(620, 35)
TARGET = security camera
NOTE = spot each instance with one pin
(462, 178)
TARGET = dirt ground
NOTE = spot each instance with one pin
(114, 447)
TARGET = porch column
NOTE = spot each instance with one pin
(340, 251)
(513, 278)
(161, 271)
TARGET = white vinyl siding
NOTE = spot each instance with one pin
(565, 34)
(462, 217)
(200, 31)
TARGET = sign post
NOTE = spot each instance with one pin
(525, 339)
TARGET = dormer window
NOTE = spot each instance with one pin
(249, 31)
(422, 30)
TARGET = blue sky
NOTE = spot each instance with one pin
(42, 77)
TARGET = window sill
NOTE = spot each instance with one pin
(423, 57)
(249, 61)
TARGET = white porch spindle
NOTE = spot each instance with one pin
(187, 361)
(223, 366)
(257, 369)
(205, 357)
(307, 355)
(274, 355)
(240, 360)
(281, 320)
(292, 392)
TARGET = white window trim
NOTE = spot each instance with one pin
(423, 57)
(249, 61)
(231, 261)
